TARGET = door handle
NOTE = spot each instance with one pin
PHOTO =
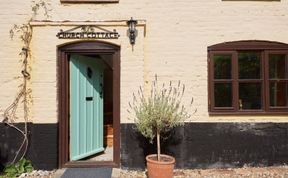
(89, 98)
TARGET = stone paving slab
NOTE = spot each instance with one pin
(102, 172)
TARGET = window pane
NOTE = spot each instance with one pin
(223, 94)
(278, 66)
(222, 67)
(250, 96)
(278, 93)
(249, 65)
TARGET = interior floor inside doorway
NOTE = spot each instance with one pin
(106, 155)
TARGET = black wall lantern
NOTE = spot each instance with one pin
(132, 32)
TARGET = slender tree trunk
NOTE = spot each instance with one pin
(158, 146)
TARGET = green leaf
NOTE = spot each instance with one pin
(21, 169)
(22, 162)
(21, 166)
(28, 162)
(10, 169)
(11, 175)
(14, 170)
(29, 168)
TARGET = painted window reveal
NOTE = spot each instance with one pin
(248, 79)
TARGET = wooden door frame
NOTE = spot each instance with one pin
(63, 52)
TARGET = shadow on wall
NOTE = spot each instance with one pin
(212, 145)
(2, 160)
(10, 141)
(135, 147)
(173, 138)
(42, 149)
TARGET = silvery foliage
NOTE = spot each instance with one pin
(161, 110)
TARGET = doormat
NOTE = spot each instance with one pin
(102, 172)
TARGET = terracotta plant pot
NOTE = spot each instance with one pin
(160, 169)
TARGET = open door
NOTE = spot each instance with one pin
(85, 112)
(86, 106)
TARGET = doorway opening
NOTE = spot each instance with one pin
(89, 104)
(91, 107)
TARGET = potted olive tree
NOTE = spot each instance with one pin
(156, 113)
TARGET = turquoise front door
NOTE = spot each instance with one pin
(86, 106)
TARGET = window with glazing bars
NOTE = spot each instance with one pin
(248, 77)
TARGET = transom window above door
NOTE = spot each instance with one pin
(248, 77)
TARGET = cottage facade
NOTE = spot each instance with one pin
(241, 116)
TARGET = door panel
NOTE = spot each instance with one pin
(86, 106)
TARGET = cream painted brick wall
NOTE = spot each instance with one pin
(11, 12)
(44, 70)
(175, 46)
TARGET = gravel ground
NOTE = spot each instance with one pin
(38, 174)
(246, 172)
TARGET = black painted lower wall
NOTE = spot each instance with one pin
(212, 145)
(43, 145)
(195, 145)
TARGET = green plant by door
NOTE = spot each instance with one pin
(14, 170)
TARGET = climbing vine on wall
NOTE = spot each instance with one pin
(24, 31)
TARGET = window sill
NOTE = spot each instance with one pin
(251, 0)
(89, 1)
(247, 113)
